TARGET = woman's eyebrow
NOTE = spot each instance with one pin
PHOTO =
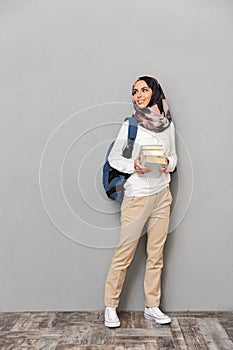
(143, 87)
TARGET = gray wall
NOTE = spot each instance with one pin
(66, 73)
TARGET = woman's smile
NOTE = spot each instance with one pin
(140, 101)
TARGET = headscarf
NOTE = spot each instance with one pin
(156, 115)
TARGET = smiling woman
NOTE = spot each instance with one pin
(147, 198)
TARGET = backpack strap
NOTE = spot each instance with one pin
(132, 134)
(132, 129)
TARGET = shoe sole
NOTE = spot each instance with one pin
(157, 320)
(112, 324)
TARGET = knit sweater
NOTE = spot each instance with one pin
(139, 185)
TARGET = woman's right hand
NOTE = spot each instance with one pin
(139, 168)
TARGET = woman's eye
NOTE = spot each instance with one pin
(144, 90)
(134, 92)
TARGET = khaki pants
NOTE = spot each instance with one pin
(153, 211)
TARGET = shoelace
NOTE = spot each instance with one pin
(159, 312)
(112, 314)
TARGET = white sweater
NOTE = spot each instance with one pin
(152, 182)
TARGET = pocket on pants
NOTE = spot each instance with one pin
(126, 202)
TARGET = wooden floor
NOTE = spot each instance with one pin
(85, 330)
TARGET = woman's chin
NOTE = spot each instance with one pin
(141, 105)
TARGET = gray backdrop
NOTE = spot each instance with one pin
(66, 73)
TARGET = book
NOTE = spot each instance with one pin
(152, 156)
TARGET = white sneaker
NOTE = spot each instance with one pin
(155, 314)
(111, 318)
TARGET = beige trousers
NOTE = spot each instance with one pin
(154, 211)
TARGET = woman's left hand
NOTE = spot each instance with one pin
(163, 169)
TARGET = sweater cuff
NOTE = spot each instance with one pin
(170, 165)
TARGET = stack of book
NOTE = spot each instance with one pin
(152, 156)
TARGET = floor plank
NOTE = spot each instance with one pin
(214, 334)
(178, 335)
(192, 334)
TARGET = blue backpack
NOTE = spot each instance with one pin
(113, 180)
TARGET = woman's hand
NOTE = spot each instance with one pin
(163, 169)
(139, 168)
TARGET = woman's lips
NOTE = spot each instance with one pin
(141, 101)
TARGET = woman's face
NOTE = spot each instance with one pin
(141, 93)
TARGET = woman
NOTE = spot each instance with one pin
(147, 199)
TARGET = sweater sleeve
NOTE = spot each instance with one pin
(115, 158)
(172, 157)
